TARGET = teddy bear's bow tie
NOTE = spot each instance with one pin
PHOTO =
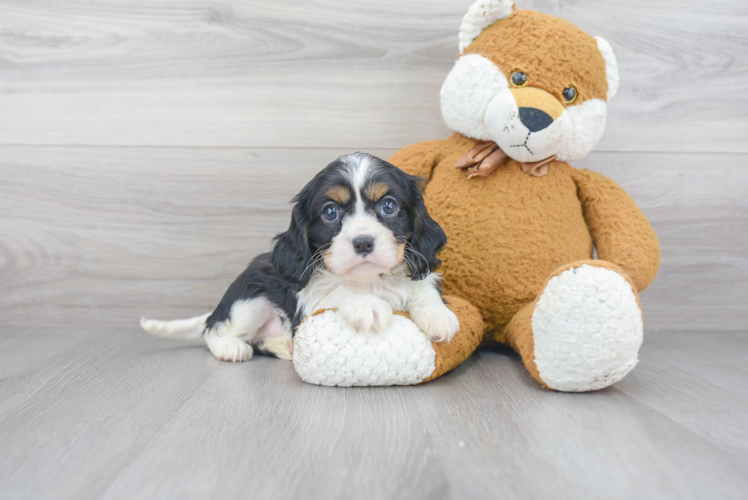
(486, 156)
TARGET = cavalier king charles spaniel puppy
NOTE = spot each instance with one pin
(360, 241)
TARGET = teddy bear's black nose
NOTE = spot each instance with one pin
(534, 119)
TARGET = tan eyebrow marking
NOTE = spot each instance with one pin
(339, 194)
(375, 191)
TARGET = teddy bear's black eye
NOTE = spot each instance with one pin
(519, 79)
(570, 95)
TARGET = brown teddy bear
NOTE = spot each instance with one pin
(527, 94)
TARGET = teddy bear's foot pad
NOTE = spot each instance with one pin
(587, 329)
(329, 352)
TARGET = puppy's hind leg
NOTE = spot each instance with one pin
(229, 339)
(275, 337)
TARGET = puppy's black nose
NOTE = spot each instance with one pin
(534, 119)
(363, 244)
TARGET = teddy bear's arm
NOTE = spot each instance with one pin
(621, 232)
(418, 159)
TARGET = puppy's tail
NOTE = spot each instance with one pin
(191, 328)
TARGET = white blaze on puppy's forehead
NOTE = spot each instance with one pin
(358, 171)
(358, 185)
(480, 16)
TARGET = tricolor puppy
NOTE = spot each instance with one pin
(360, 241)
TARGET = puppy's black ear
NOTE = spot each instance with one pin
(292, 253)
(428, 237)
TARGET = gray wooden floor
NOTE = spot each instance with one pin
(113, 413)
(148, 149)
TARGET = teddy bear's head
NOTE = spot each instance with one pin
(534, 84)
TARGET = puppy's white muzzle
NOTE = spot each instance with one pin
(363, 247)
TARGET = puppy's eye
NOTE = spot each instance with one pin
(519, 79)
(570, 95)
(331, 213)
(388, 207)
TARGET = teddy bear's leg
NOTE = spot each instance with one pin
(584, 330)
(450, 355)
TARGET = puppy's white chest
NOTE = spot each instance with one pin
(326, 291)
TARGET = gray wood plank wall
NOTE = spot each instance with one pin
(148, 148)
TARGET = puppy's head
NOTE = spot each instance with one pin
(360, 217)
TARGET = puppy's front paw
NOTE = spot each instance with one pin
(436, 321)
(366, 313)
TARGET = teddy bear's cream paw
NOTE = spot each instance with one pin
(366, 313)
(587, 329)
(436, 321)
(328, 351)
(228, 348)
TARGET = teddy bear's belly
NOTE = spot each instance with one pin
(507, 233)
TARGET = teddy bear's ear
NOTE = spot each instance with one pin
(611, 66)
(481, 15)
